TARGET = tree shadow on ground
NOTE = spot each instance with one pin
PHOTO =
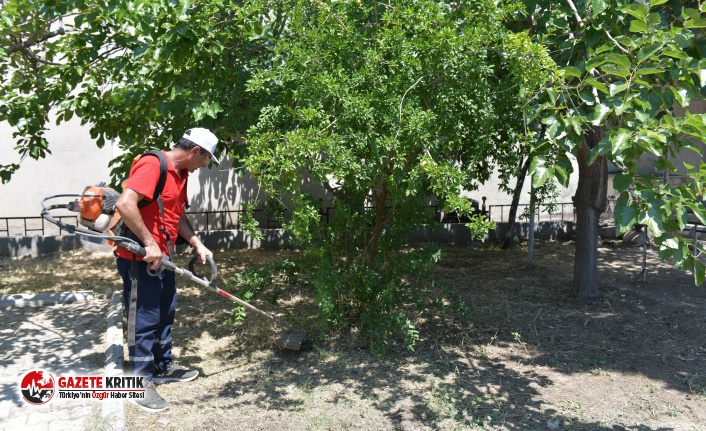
(61, 339)
(500, 369)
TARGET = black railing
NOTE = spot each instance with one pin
(563, 212)
(31, 226)
(205, 221)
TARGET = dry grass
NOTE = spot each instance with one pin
(526, 358)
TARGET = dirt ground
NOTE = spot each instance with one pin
(525, 358)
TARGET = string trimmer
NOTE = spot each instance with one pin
(96, 208)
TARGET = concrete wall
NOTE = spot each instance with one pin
(76, 162)
(457, 234)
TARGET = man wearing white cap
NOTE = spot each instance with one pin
(155, 221)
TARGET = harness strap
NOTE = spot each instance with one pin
(132, 313)
(163, 229)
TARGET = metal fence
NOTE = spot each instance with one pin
(206, 221)
(203, 221)
(564, 212)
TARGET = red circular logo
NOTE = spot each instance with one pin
(37, 387)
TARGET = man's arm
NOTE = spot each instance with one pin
(188, 234)
(130, 214)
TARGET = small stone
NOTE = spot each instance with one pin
(163, 421)
(553, 424)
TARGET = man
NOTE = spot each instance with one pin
(150, 299)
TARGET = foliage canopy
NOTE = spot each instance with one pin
(385, 105)
(632, 69)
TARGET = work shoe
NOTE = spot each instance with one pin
(175, 373)
(152, 402)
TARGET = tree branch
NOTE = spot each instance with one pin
(576, 12)
(622, 48)
(34, 57)
(33, 41)
(402, 102)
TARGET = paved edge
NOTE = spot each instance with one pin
(39, 299)
(114, 412)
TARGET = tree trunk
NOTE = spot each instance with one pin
(591, 200)
(507, 243)
(381, 219)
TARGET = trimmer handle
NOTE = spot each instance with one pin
(214, 271)
(138, 249)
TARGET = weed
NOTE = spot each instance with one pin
(518, 339)
(600, 372)
(697, 384)
(573, 406)
(594, 362)
(442, 400)
(671, 409)
(653, 387)
(96, 421)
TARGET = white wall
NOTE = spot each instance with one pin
(491, 190)
(77, 162)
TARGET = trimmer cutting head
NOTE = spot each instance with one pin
(293, 339)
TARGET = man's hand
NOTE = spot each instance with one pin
(153, 255)
(186, 231)
(203, 252)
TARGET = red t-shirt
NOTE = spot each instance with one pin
(143, 179)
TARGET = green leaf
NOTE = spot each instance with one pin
(620, 140)
(699, 271)
(646, 52)
(7, 19)
(654, 3)
(638, 10)
(698, 210)
(670, 243)
(697, 121)
(619, 59)
(622, 181)
(562, 169)
(599, 114)
(598, 7)
(617, 89)
(625, 213)
(541, 172)
(649, 71)
(571, 71)
(674, 54)
(594, 154)
(598, 85)
(552, 95)
(654, 223)
(596, 61)
(637, 26)
(682, 96)
(695, 23)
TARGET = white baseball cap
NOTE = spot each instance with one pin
(204, 139)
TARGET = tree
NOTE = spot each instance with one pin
(627, 66)
(386, 105)
(139, 71)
